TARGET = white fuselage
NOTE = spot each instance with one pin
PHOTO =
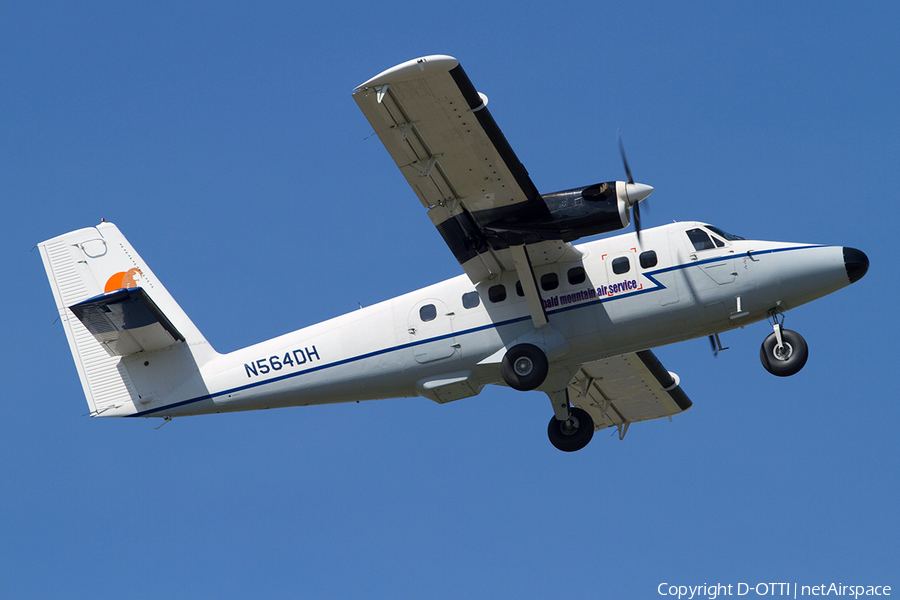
(433, 343)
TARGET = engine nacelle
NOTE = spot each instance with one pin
(567, 215)
(576, 213)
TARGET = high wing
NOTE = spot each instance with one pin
(626, 389)
(438, 130)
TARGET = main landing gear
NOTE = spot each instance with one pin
(571, 434)
(524, 367)
(570, 428)
(783, 352)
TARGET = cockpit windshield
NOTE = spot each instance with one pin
(728, 236)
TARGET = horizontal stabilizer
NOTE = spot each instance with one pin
(126, 321)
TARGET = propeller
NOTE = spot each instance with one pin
(635, 191)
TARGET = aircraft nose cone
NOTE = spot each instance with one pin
(857, 263)
(637, 192)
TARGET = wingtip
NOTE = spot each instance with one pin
(411, 69)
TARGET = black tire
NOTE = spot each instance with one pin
(524, 367)
(568, 438)
(790, 360)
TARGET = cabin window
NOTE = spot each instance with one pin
(497, 293)
(549, 281)
(700, 239)
(621, 265)
(471, 300)
(428, 312)
(576, 275)
(519, 291)
(648, 259)
(719, 243)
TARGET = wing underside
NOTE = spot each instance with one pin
(439, 132)
(627, 389)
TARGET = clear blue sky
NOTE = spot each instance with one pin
(222, 139)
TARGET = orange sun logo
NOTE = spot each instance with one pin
(126, 279)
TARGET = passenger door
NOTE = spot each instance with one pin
(431, 331)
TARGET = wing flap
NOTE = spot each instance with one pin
(126, 321)
(627, 389)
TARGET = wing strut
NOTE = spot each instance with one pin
(529, 286)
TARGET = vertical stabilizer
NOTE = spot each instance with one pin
(119, 319)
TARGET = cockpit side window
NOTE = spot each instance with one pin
(700, 239)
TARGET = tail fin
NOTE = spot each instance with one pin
(133, 345)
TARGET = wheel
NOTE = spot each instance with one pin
(524, 367)
(787, 360)
(573, 434)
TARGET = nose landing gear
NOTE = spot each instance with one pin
(783, 352)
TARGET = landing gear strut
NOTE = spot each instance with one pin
(783, 352)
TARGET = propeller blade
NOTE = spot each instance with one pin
(635, 191)
(624, 160)
(636, 211)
